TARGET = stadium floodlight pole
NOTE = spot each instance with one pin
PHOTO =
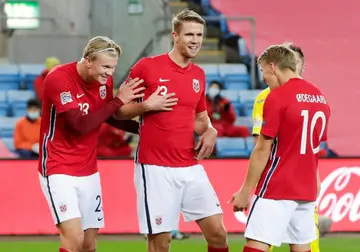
(252, 38)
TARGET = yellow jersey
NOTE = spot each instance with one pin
(258, 111)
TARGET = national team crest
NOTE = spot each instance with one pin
(158, 221)
(196, 85)
(63, 208)
(102, 91)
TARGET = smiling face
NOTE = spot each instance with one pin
(188, 39)
(102, 67)
(188, 31)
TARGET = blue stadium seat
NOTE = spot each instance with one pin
(19, 109)
(29, 72)
(233, 97)
(4, 106)
(237, 85)
(231, 147)
(9, 143)
(235, 73)
(211, 72)
(244, 121)
(9, 77)
(249, 143)
(7, 125)
(248, 95)
(19, 96)
(232, 69)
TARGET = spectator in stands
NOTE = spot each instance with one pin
(50, 62)
(222, 113)
(27, 131)
(113, 143)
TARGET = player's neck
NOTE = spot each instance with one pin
(178, 59)
(82, 71)
(286, 76)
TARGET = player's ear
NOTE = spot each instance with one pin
(272, 67)
(174, 36)
(87, 62)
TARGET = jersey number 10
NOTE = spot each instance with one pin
(304, 134)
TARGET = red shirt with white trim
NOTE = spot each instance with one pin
(63, 151)
(167, 138)
(296, 116)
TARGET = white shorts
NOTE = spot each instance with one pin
(72, 197)
(281, 221)
(164, 192)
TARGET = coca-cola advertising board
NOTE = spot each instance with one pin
(24, 210)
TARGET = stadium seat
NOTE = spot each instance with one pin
(7, 125)
(244, 121)
(249, 143)
(248, 95)
(232, 70)
(237, 85)
(19, 96)
(29, 72)
(9, 143)
(4, 106)
(233, 97)
(9, 77)
(231, 147)
(211, 72)
(19, 109)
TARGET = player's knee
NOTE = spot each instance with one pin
(74, 241)
(88, 247)
(159, 242)
(217, 237)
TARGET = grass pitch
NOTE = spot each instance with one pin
(327, 244)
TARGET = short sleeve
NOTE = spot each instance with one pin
(201, 106)
(59, 91)
(137, 71)
(257, 115)
(272, 115)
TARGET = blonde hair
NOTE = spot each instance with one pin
(280, 55)
(186, 15)
(101, 44)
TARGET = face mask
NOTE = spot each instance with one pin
(213, 91)
(33, 115)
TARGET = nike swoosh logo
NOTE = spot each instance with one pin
(100, 219)
(79, 96)
(217, 204)
(163, 80)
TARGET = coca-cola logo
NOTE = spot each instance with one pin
(339, 196)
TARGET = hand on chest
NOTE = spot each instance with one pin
(90, 99)
(187, 88)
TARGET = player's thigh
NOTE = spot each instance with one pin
(302, 228)
(90, 201)
(199, 198)
(61, 195)
(268, 220)
(158, 199)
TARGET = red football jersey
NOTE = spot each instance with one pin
(62, 151)
(167, 138)
(296, 115)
